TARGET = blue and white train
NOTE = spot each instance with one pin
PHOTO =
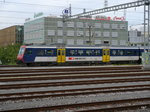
(75, 55)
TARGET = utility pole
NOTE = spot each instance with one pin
(105, 3)
(146, 24)
(91, 34)
(66, 14)
(90, 26)
(125, 14)
(70, 10)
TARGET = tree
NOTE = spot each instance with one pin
(8, 54)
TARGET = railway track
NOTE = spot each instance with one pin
(105, 106)
(90, 89)
(72, 75)
(63, 69)
(71, 92)
(71, 83)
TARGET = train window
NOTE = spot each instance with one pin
(120, 52)
(92, 52)
(29, 52)
(97, 52)
(58, 53)
(114, 52)
(135, 53)
(40, 53)
(63, 52)
(88, 52)
(50, 52)
(72, 52)
(80, 52)
(129, 52)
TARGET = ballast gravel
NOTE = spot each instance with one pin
(53, 101)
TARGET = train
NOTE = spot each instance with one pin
(52, 55)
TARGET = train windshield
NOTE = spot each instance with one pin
(21, 51)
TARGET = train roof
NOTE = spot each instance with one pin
(81, 46)
(40, 46)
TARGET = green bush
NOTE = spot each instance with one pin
(8, 54)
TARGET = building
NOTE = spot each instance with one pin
(83, 31)
(11, 35)
(136, 38)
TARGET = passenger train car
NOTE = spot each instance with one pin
(56, 55)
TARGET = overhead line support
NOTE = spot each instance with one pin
(113, 8)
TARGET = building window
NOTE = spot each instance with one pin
(59, 24)
(51, 32)
(70, 24)
(70, 33)
(106, 34)
(106, 26)
(60, 33)
(97, 25)
(114, 26)
(79, 24)
(106, 42)
(114, 34)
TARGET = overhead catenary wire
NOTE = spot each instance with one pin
(27, 13)
(29, 4)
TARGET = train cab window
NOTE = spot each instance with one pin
(28, 52)
(21, 51)
(40, 52)
(50, 52)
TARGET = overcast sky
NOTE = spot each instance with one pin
(14, 12)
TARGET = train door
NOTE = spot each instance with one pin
(61, 55)
(106, 55)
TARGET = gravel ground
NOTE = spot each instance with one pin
(9, 105)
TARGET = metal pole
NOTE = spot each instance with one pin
(144, 26)
(90, 33)
(70, 10)
(64, 29)
(148, 26)
(90, 26)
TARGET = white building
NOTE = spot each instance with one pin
(85, 31)
(136, 38)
